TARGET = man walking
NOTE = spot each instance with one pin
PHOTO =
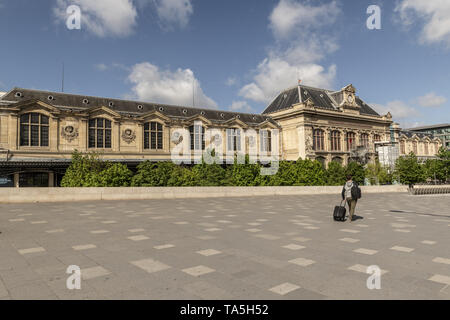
(351, 193)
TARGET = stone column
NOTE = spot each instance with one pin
(53, 134)
(83, 134)
(16, 180)
(14, 132)
(140, 138)
(51, 179)
(115, 131)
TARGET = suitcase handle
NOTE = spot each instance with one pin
(345, 202)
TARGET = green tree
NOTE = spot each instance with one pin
(335, 174)
(356, 170)
(310, 173)
(245, 174)
(114, 175)
(444, 156)
(82, 170)
(151, 174)
(377, 174)
(409, 170)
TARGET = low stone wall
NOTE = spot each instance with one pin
(27, 195)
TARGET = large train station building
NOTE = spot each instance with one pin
(40, 130)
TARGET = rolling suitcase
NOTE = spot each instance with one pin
(339, 212)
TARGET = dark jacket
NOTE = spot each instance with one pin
(356, 191)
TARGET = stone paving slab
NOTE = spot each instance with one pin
(275, 247)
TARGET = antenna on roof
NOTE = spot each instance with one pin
(62, 80)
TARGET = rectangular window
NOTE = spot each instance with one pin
(234, 139)
(44, 136)
(266, 140)
(35, 136)
(99, 138)
(24, 135)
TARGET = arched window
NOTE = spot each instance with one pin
(337, 159)
(365, 139)
(351, 140)
(335, 141)
(319, 140)
(415, 147)
(376, 138)
(34, 129)
(153, 136)
(402, 147)
(99, 133)
(425, 148)
(265, 140)
(197, 133)
(322, 161)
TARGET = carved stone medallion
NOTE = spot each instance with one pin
(69, 133)
(128, 136)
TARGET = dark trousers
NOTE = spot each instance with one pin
(351, 207)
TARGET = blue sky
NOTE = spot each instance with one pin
(237, 54)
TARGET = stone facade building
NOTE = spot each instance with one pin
(39, 131)
(328, 125)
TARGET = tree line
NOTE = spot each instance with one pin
(88, 170)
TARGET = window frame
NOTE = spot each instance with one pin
(30, 125)
(265, 137)
(335, 140)
(196, 136)
(234, 139)
(319, 140)
(157, 133)
(104, 130)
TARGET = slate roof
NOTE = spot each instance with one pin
(322, 98)
(129, 107)
(421, 135)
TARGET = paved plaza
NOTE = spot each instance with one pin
(285, 247)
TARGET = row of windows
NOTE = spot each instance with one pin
(426, 149)
(335, 138)
(34, 132)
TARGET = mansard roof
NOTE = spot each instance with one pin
(322, 98)
(65, 101)
(420, 135)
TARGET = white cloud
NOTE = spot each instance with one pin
(431, 100)
(102, 17)
(277, 73)
(297, 55)
(290, 15)
(241, 106)
(231, 81)
(101, 67)
(435, 15)
(398, 109)
(166, 86)
(174, 12)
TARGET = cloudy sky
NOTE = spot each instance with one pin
(233, 54)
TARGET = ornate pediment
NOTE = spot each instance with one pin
(350, 89)
(237, 122)
(101, 111)
(154, 115)
(198, 117)
(35, 105)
